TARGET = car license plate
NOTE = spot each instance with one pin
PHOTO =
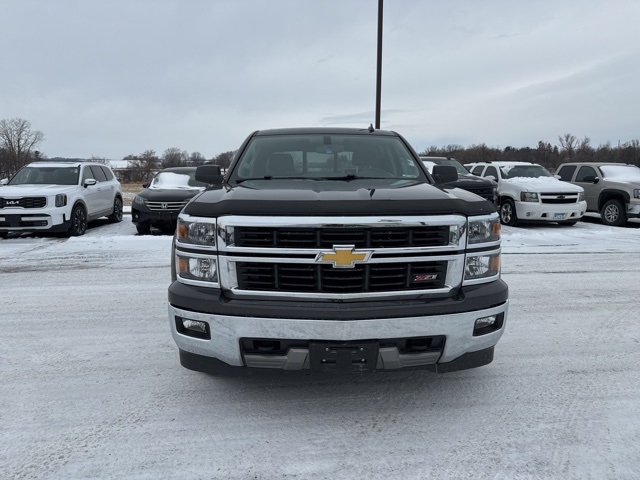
(343, 357)
(559, 216)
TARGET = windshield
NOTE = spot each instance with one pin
(46, 176)
(186, 180)
(430, 162)
(628, 173)
(527, 171)
(325, 156)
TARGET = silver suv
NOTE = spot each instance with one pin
(610, 189)
(59, 197)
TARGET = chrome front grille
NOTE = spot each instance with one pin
(295, 256)
(327, 237)
(167, 206)
(383, 277)
(558, 198)
(24, 202)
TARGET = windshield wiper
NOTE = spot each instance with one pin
(267, 177)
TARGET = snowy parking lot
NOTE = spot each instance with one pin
(92, 386)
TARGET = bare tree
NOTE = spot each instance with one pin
(174, 157)
(196, 158)
(142, 167)
(568, 144)
(18, 142)
(224, 159)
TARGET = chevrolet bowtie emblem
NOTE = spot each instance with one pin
(343, 256)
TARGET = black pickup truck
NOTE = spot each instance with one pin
(335, 250)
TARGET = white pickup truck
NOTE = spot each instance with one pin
(528, 192)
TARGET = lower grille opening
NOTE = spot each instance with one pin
(265, 346)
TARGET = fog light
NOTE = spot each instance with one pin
(488, 324)
(193, 328)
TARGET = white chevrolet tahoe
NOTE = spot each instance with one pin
(59, 197)
(528, 192)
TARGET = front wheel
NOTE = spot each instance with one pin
(613, 213)
(116, 216)
(508, 213)
(78, 222)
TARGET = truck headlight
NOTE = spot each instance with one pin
(581, 197)
(528, 197)
(197, 231)
(484, 229)
(197, 268)
(480, 267)
(636, 193)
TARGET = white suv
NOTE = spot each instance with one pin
(59, 197)
(528, 192)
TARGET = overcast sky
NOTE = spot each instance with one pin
(110, 78)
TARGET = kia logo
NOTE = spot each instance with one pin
(13, 202)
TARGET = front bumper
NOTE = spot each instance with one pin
(155, 217)
(633, 209)
(34, 221)
(550, 212)
(227, 333)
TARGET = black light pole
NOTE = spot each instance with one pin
(379, 69)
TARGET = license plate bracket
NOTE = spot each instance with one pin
(343, 356)
(559, 216)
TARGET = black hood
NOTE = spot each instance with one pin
(168, 194)
(336, 198)
(472, 182)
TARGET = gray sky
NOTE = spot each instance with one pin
(116, 77)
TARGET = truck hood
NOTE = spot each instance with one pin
(362, 197)
(35, 190)
(543, 185)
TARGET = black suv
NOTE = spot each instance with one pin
(162, 199)
(485, 187)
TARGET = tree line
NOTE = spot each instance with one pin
(570, 149)
(19, 146)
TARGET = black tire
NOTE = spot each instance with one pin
(4, 234)
(143, 228)
(78, 222)
(569, 222)
(613, 213)
(508, 213)
(116, 216)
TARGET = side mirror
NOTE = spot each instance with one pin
(89, 181)
(146, 185)
(491, 177)
(444, 173)
(591, 179)
(4, 181)
(209, 174)
(557, 177)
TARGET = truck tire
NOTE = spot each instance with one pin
(613, 213)
(508, 213)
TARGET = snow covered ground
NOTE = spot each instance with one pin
(92, 388)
